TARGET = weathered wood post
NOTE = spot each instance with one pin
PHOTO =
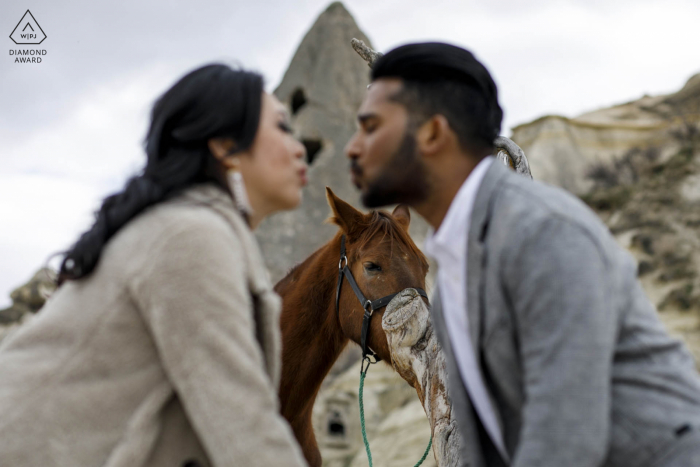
(416, 355)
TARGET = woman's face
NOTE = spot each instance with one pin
(274, 167)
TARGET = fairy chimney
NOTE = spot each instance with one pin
(323, 89)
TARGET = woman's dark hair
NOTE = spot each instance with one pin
(209, 102)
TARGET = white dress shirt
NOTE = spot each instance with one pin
(448, 246)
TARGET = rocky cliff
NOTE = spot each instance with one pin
(27, 299)
(562, 150)
(655, 216)
(323, 88)
(397, 428)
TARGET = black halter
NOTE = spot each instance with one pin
(369, 305)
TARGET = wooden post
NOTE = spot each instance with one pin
(417, 356)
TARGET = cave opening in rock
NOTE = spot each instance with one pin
(313, 147)
(336, 429)
(335, 425)
(298, 101)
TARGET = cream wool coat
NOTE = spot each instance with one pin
(168, 354)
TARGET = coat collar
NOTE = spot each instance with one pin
(220, 201)
(446, 244)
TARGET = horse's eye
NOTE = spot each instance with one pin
(372, 267)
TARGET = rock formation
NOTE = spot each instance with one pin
(562, 150)
(27, 299)
(323, 88)
(397, 428)
(655, 216)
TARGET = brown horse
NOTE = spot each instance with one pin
(384, 260)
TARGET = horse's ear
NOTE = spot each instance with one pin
(344, 215)
(402, 215)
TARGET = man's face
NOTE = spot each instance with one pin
(385, 163)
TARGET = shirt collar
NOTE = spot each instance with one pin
(449, 238)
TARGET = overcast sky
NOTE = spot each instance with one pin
(71, 126)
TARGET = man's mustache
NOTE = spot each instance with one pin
(355, 168)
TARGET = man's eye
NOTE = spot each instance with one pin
(372, 267)
(370, 128)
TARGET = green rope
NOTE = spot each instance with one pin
(427, 450)
(363, 373)
(362, 416)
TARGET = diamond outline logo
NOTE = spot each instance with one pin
(30, 26)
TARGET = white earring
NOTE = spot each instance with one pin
(240, 195)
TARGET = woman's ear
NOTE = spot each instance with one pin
(221, 148)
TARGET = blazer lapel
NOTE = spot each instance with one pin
(461, 411)
(476, 261)
(475, 255)
(438, 321)
(476, 251)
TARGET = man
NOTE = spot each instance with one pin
(554, 354)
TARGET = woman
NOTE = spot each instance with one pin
(162, 345)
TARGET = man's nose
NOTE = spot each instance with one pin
(352, 149)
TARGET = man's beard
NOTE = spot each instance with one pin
(403, 180)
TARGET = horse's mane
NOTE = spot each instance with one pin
(381, 223)
(377, 223)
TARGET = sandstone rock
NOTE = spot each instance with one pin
(657, 220)
(29, 297)
(400, 440)
(337, 419)
(323, 88)
(561, 150)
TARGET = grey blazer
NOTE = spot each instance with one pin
(578, 365)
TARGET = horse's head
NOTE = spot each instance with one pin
(383, 260)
